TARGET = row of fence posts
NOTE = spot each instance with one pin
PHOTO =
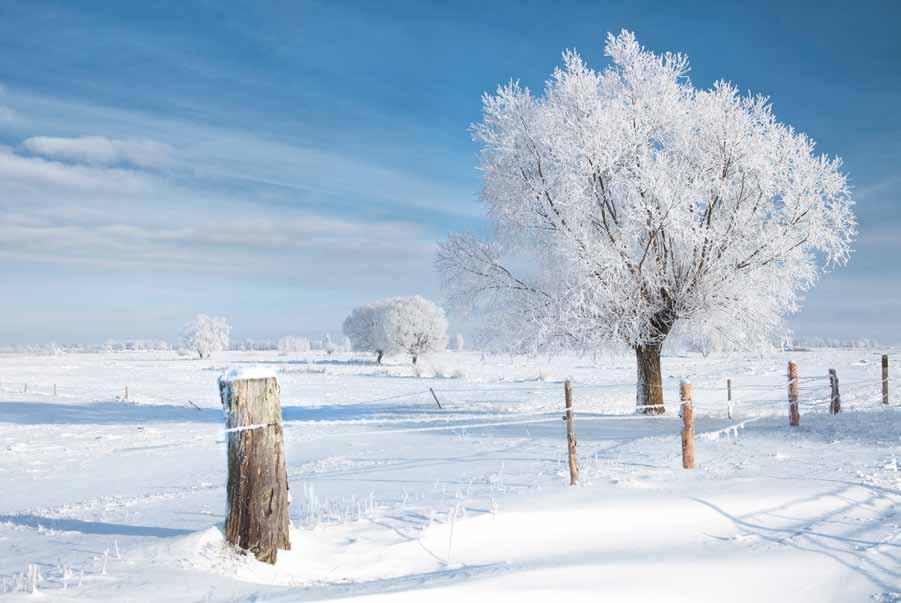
(686, 411)
(257, 486)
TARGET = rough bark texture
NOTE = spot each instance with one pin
(571, 435)
(257, 490)
(794, 415)
(835, 404)
(649, 397)
(688, 427)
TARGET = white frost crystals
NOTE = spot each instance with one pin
(642, 206)
(205, 334)
(413, 325)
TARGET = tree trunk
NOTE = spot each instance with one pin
(414, 359)
(257, 490)
(649, 397)
(379, 359)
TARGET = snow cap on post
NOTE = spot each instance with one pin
(685, 390)
(246, 373)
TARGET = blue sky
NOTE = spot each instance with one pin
(279, 163)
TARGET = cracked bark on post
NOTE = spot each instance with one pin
(257, 489)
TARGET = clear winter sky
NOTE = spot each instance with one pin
(279, 162)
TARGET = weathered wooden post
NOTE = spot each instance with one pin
(729, 398)
(257, 509)
(570, 434)
(688, 426)
(794, 417)
(885, 378)
(835, 401)
(435, 397)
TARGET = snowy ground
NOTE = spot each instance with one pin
(113, 500)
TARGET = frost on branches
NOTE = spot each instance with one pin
(643, 206)
(205, 334)
(413, 325)
(361, 326)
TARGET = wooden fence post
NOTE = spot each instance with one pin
(688, 426)
(570, 434)
(885, 378)
(835, 401)
(257, 508)
(436, 397)
(794, 417)
(729, 398)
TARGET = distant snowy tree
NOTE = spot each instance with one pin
(345, 346)
(413, 325)
(205, 334)
(328, 345)
(361, 326)
(456, 344)
(399, 324)
(639, 204)
(294, 344)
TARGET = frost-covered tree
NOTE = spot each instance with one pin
(413, 325)
(640, 204)
(205, 334)
(457, 343)
(399, 324)
(361, 326)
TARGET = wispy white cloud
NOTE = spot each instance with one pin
(232, 156)
(105, 217)
(38, 172)
(100, 150)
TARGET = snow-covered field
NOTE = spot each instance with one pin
(106, 499)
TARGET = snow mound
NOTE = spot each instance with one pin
(337, 555)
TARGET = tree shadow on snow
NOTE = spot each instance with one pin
(91, 527)
(875, 560)
(119, 413)
(103, 413)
